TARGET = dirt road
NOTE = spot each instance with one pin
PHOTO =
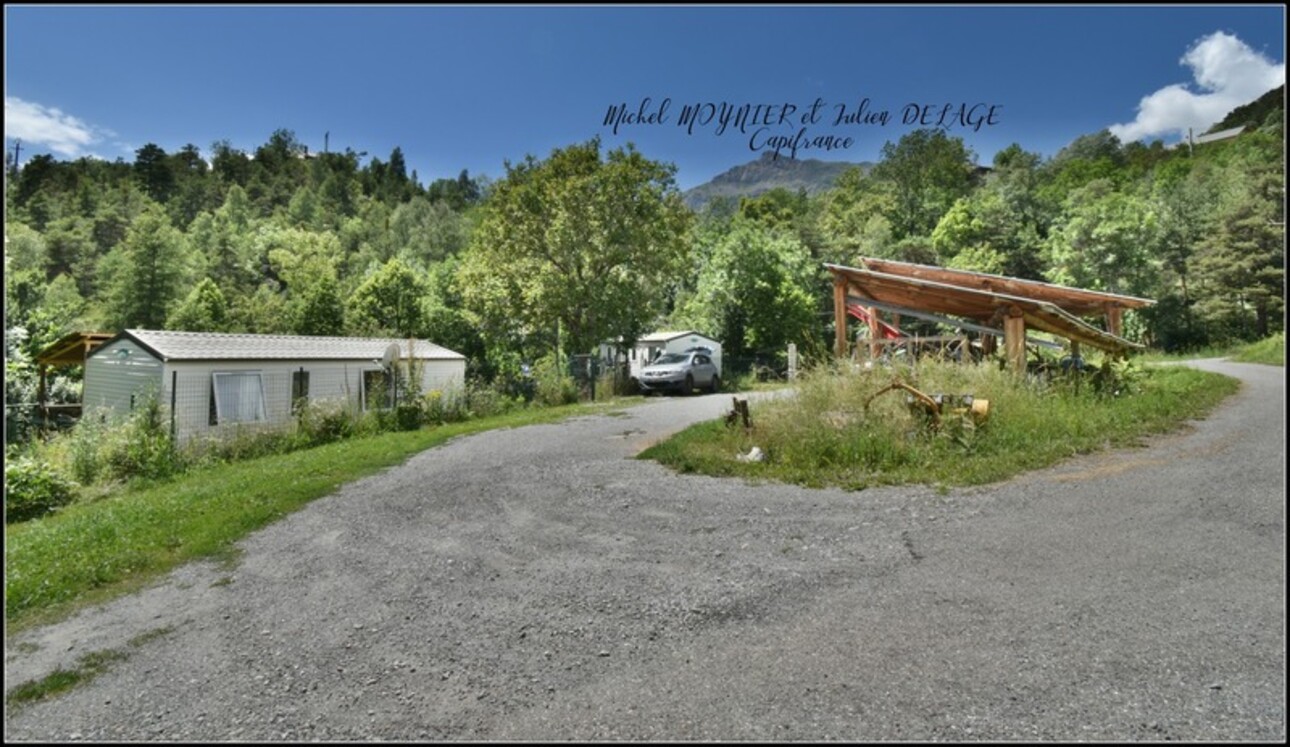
(538, 583)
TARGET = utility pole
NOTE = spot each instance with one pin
(326, 137)
(17, 149)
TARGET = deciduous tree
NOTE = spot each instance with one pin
(580, 242)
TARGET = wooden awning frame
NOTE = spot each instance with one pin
(984, 306)
(70, 350)
(1075, 301)
(853, 301)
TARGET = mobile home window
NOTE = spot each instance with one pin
(299, 388)
(239, 397)
(377, 390)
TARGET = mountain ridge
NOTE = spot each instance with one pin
(766, 173)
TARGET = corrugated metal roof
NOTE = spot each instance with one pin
(666, 336)
(200, 346)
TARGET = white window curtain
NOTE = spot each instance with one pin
(239, 397)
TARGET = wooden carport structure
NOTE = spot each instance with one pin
(988, 300)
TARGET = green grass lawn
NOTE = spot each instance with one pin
(1270, 351)
(92, 551)
(826, 437)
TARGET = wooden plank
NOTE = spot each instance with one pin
(840, 316)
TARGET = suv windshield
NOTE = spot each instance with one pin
(671, 358)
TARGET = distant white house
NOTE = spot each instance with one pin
(214, 381)
(1212, 137)
(651, 346)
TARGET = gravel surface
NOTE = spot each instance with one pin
(539, 583)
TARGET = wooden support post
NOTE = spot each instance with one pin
(875, 333)
(988, 344)
(1075, 348)
(42, 394)
(1014, 340)
(839, 316)
(739, 413)
(1114, 320)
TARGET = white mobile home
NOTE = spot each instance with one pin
(651, 346)
(213, 381)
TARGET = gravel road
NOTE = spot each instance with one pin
(540, 584)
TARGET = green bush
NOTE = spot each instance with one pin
(85, 447)
(249, 443)
(33, 488)
(144, 447)
(485, 401)
(408, 416)
(446, 405)
(1116, 378)
(321, 422)
(554, 386)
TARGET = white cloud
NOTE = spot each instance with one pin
(41, 125)
(1228, 74)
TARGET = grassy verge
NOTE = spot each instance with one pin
(89, 552)
(825, 435)
(1270, 351)
(87, 667)
(60, 680)
(1211, 351)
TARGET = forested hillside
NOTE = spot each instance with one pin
(766, 173)
(582, 245)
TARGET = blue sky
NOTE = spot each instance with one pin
(467, 87)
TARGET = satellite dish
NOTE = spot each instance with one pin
(391, 355)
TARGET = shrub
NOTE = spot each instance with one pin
(485, 401)
(321, 422)
(614, 383)
(144, 447)
(408, 416)
(249, 443)
(445, 405)
(85, 446)
(33, 488)
(1115, 378)
(554, 386)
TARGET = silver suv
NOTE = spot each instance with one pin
(680, 371)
